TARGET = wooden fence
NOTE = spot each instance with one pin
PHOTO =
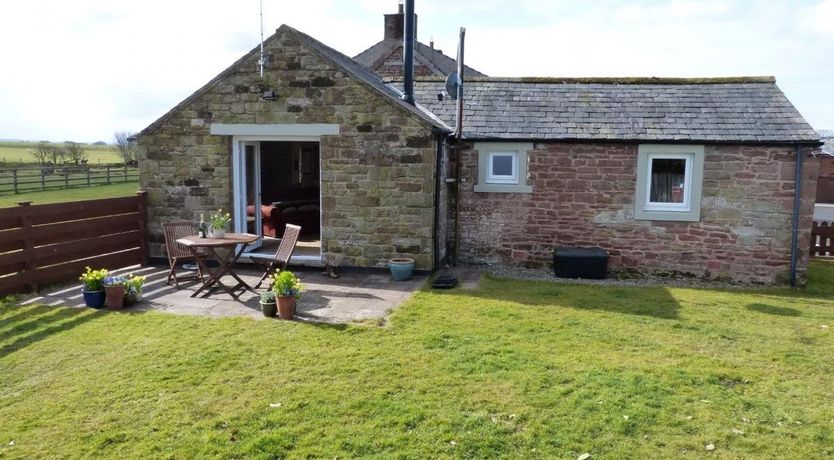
(42, 178)
(822, 239)
(53, 243)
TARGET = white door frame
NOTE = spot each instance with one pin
(239, 180)
(241, 198)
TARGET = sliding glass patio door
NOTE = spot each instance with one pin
(248, 190)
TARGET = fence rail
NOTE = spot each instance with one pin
(822, 239)
(42, 178)
(53, 243)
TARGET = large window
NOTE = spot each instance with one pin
(502, 167)
(669, 181)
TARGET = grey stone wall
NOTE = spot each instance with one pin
(377, 174)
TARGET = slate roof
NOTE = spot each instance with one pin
(364, 75)
(351, 68)
(827, 137)
(717, 110)
(434, 59)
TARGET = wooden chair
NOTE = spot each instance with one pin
(178, 253)
(282, 255)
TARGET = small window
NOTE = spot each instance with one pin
(669, 182)
(503, 168)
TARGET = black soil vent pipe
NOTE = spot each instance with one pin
(408, 53)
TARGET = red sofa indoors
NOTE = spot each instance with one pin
(275, 216)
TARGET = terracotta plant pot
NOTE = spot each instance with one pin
(401, 268)
(286, 307)
(269, 309)
(115, 297)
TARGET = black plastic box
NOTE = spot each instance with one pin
(587, 263)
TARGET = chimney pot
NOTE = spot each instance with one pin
(395, 25)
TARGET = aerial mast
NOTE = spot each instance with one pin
(262, 60)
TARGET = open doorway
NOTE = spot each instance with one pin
(281, 185)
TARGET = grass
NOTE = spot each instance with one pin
(73, 194)
(18, 152)
(513, 369)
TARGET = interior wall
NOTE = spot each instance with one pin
(289, 171)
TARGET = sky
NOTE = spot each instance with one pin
(81, 70)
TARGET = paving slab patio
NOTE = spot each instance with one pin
(353, 297)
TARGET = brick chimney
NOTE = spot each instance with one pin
(394, 24)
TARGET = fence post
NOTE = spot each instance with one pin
(142, 197)
(66, 177)
(14, 179)
(43, 179)
(125, 172)
(88, 176)
(108, 175)
(28, 246)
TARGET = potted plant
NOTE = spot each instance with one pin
(287, 289)
(268, 307)
(133, 289)
(401, 268)
(218, 223)
(93, 289)
(114, 286)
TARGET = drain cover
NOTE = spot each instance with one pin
(444, 282)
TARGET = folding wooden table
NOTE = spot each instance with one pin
(212, 276)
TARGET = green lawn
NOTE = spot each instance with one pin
(18, 152)
(73, 194)
(515, 369)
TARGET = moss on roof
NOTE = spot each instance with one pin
(618, 80)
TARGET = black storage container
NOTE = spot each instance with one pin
(588, 263)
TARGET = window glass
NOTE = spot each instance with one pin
(668, 180)
(502, 165)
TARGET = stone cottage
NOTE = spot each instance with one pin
(694, 176)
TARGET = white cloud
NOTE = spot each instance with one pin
(83, 69)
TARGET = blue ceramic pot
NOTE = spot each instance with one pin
(93, 299)
(401, 269)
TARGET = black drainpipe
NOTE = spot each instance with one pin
(408, 53)
(438, 183)
(797, 201)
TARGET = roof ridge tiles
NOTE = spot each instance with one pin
(620, 80)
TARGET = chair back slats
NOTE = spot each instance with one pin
(173, 232)
(287, 246)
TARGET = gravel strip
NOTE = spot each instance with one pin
(646, 281)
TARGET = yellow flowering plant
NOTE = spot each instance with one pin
(286, 284)
(94, 279)
(134, 283)
(219, 220)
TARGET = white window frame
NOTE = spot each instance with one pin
(512, 178)
(690, 209)
(489, 183)
(689, 160)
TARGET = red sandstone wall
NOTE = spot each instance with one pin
(825, 186)
(583, 195)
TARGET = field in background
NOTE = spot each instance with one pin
(35, 178)
(75, 194)
(14, 152)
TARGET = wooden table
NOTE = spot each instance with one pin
(210, 246)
